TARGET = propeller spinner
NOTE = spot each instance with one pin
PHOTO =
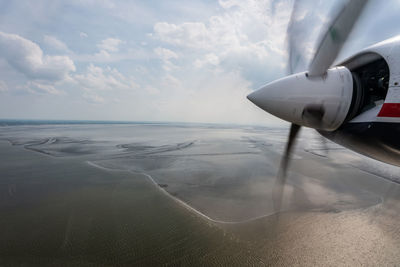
(292, 97)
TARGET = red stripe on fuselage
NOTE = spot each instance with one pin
(390, 110)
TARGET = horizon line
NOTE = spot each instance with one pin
(77, 121)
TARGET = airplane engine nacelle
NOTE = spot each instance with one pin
(321, 102)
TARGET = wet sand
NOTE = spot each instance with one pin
(65, 212)
(188, 195)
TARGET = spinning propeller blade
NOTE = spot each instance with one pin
(335, 36)
(328, 49)
(281, 178)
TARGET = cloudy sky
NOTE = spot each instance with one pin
(175, 60)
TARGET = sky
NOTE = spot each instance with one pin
(176, 60)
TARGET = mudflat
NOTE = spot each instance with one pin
(189, 194)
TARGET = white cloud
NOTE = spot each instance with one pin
(103, 56)
(83, 35)
(169, 81)
(3, 87)
(97, 78)
(247, 36)
(165, 53)
(27, 57)
(187, 34)
(42, 88)
(110, 44)
(109, 51)
(218, 97)
(209, 59)
(55, 43)
(97, 81)
(151, 90)
(220, 59)
(93, 98)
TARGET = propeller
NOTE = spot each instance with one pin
(313, 114)
(281, 177)
(328, 48)
(335, 36)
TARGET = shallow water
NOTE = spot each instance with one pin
(219, 179)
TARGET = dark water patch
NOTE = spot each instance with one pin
(385, 175)
(139, 148)
(256, 142)
(58, 146)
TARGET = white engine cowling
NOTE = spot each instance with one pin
(288, 98)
